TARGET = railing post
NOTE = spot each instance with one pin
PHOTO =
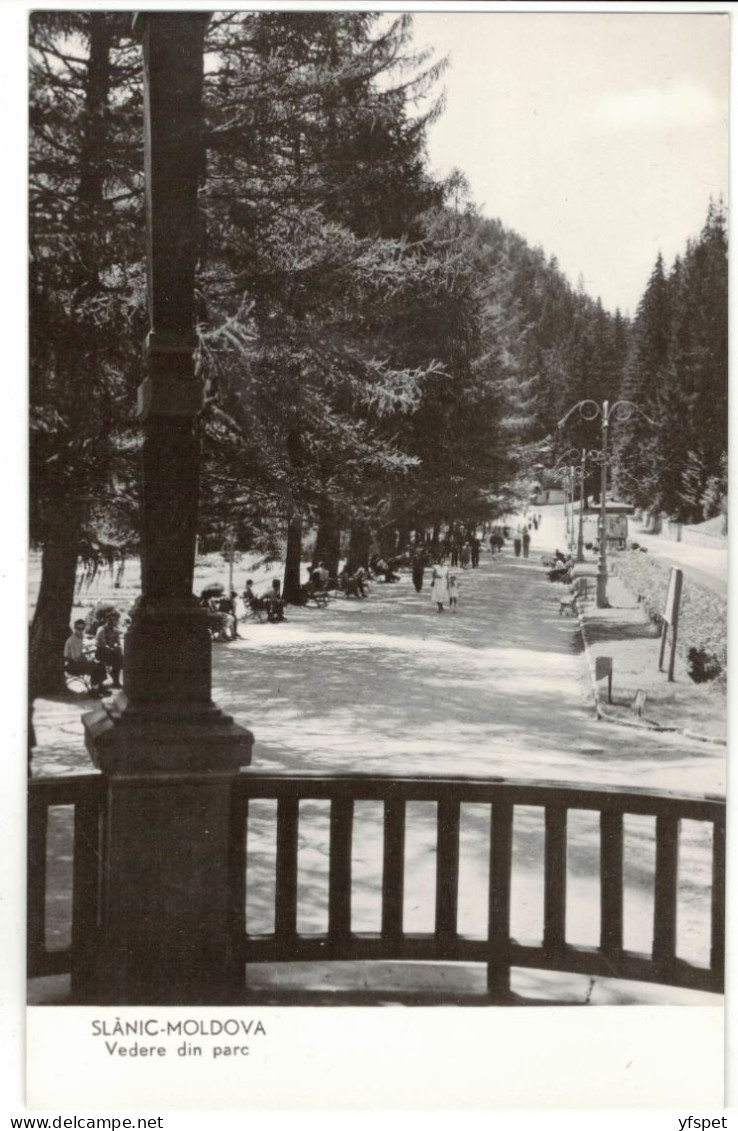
(85, 895)
(611, 883)
(447, 872)
(36, 842)
(168, 754)
(500, 884)
(717, 940)
(393, 870)
(339, 876)
(285, 913)
(554, 882)
(665, 885)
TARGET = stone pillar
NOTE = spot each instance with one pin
(168, 753)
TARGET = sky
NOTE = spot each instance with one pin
(598, 136)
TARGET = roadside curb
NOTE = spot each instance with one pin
(601, 708)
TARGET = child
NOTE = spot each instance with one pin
(453, 591)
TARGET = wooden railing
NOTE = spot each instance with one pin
(84, 793)
(496, 949)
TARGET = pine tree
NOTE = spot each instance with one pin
(86, 298)
(635, 446)
(309, 220)
(677, 372)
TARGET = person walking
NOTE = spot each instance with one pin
(526, 542)
(439, 585)
(418, 568)
(475, 544)
(518, 542)
(453, 591)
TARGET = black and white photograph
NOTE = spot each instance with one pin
(377, 531)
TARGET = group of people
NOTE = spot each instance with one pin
(270, 602)
(465, 553)
(561, 566)
(99, 658)
(444, 587)
(521, 540)
(103, 656)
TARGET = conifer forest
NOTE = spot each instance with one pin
(378, 358)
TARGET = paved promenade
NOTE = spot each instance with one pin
(500, 688)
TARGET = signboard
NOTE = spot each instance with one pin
(670, 617)
(616, 527)
(617, 531)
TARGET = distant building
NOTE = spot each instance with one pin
(546, 495)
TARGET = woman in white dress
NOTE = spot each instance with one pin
(439, 585)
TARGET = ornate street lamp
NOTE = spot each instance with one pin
(564, 474)
(590, 410)
(579, 471)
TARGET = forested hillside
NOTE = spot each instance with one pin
(378, 359)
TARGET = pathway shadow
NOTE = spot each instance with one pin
(601, 630)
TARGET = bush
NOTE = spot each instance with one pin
(703, 615)
(702, 666)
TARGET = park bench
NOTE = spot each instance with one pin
(257, 608)
(352, 586)
(316, 594)
(254, 610)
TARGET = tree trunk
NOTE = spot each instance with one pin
(403, 534)
(50, 625)
(387, 539)
(63, 523)
(328, 540)
(359, 545)
(291, 583)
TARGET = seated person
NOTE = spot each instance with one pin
(561, 567)
(318, 578)
(320, 575)
(252, 602)
(382, 567)
(226, 608)
(108, 647)
(214, 621)
(273, 602)
(360, 578)
(352, 583)
(77, 662)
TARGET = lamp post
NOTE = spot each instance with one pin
(590, 410)
(169, 757)
(567, 473)
(579, 471)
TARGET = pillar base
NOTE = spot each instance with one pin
(164, 902)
